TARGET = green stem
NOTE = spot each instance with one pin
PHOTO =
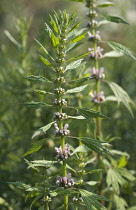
(46, 206)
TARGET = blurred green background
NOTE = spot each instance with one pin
(17, 123)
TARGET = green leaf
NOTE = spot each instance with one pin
(115, 19)
(82, 148)
(78, 38)
(92, 200)
(70, 168)
(42, 129)
(77, 89)
(89, 113)
(120, 202)
(126, 174)
(92, 183)
(41, 163)
(79, 56)
(132, 208)
(43, 48)
(34, 105)
(36, 147)
(95, 145)
(70, 47)
(12, 39)
(121, 49)
(36, 78)
(77, 117)
(54, 25)
(73, 65)
(121, 95)
(43, 92)
(77, 0)
(41, 208)
(54, 40)
(24, 186)
(65, 191)
(95, 171)
(36, 199)
(45, 61)
(123, 162)
(106, 4)
(75, 26)
(113, 54)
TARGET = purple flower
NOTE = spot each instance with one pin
(95, 54)
(63, 155)
(63, 132)
(95, 37)
(97, 98)
(98, 73)
(65, 182)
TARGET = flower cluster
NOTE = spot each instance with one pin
(97, 54)
(95, 37)
(61, 102)
(97, 98)
(59, 132)
(98, 73)
(63, 155)
(78, 200)
(92, 24)
(65, 182)
(59, 80)
(59, 91)
(60, 116)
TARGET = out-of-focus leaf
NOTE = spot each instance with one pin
(81, 79)
(120, 202)
(123, 162)
(36, 199)
(92, 183)
(106, 4)
(43, 48)
(74, 64)
(42, 129)
(121, 49)
(78, 38)
(43, 92)
(113, 54)
(77, 0)
(41, 163)
(77, 117)
(115, 19)
(81, 148)
(65, 191)
(35, 105)
(70, 47)
(12, 39)
(77, 89)
(75, 26)
(41, 208)
(23, 186)
(37, 146)
(36, 78)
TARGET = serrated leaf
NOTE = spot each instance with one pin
(113, 54)
(73, 65)
(42, 129)
(106, 4)
(95, 145)
(115, 19)
(120, 153)
(126, 174)
(43, 48)
(92, 200)
(48, 29)
(121, 95)
(23, 186)
(41, 163)
(78, 38)
(36, 78)
(35, 148)
(45, 61)
(121, 48)
(77, 89)
(81, 148)
(34, 105)
(77, 117)
(89, 113)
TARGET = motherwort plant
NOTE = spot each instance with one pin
(66, 175)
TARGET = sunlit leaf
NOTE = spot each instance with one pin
(92, 183)
(120, 202)
(54, 40)
(53, 23)
(106, 4)
(12, 39)
(77, 117)
(74, 64)
(42, 129)
(77, 89)
(113, 54)
(78, 38)
(43, 92)
(45, 61)
(115, 19)
(123, 162)
(79, 56)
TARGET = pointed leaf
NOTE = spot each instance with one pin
(79, 56)
(42, 129)
(74, 64)
(121, 95)
(75, 26)
(70, 47)
(115, 19)
(121, 49)
(23, 186)
(41, 163)
(43, 48)
(113, 54)
(36, 78)
(77, 117)
(92, 183)
(78, 38)
(41, 208)
(81, 148)
(43, 92)
(77, 89)
(36, 199)
(89, 113)
(35, 105)
(12, 39)
(45, 61)
(36, 147)
(54, 25)
(106, 4)
(54, 40)
(81, 79)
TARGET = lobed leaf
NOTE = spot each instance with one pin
(121, 49)
(35, 148)
(115, 19)
(77, 89)
(42, 129)
(36, 78)
(73, 65)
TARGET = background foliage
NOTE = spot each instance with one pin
(17, 123)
